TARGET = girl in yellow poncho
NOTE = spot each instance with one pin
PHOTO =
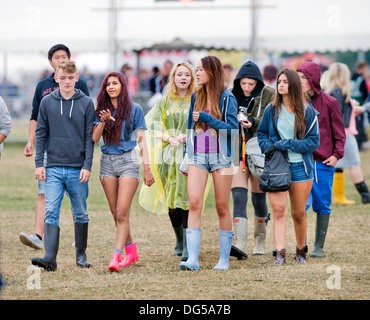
(167, 123)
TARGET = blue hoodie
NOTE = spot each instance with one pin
(266, 136)
(228, 126)
(64, 129)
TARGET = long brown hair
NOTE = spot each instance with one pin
(296, 100)
(113, 129)
(212, 91)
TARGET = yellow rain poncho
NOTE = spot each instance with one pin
(169, 117)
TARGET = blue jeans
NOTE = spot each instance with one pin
(320, 196)
(59, 180)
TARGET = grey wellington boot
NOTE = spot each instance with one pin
(260, 226)
(51, 244)
(239, 250)
(322, 223)
(81, 232)
(179, 247)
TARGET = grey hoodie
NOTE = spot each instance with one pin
(5, 120)
(64, 129)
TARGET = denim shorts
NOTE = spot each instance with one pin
(120, 165)
(298, 172)
(209, 161)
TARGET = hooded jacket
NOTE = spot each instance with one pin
(48, 85)
(267, 137)
(64, 129)
(332, 134)
(261, 95)
(227, 127)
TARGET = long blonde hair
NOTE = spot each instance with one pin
(339, 76)
(216, 85)
(171, 88)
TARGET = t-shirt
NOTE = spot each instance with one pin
(128, 139)
(207, 140)
(286, 130)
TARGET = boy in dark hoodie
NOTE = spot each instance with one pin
(64, 129)
(331, 149)
(252, 96)
(56, 54)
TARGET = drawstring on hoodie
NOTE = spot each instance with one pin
(61, 108)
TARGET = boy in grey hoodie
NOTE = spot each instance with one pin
(64, 129)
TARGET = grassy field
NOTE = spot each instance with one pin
(342, 274)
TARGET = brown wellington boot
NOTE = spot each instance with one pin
(279, 258)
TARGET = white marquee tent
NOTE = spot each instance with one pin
(30, 27)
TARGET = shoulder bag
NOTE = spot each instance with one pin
(276, 173)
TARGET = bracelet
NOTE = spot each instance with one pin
(101, 120)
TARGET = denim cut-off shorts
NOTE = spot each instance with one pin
(120, 165)
(298, 173)
(209, 161)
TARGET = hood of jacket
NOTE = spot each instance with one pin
(312, 73)
(248, 70)
(57, 96)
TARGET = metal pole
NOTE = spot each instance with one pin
(253, 42)
(112, 34)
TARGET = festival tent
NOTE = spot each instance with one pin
(31, 27)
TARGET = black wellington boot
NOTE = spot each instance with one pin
(51, 244)
(81, 232)
(364, 191)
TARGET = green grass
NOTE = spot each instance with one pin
(156, 275)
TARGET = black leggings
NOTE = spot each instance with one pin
(178, 217)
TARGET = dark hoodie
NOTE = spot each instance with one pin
(250, 105)
(64, 129)
(48, 85)
(332, 134)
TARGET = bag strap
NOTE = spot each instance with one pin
(274, 125)
(259, 106)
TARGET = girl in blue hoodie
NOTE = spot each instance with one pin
(212, 129)
(298, 128)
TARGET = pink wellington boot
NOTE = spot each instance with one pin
(131, 255)
(115, 261)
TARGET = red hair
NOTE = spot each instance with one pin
(112, 132)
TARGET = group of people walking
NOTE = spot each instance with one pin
(198, 119)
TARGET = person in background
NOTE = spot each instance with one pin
(252, 96)
(298, 127)
(339, 88)
(211, 132)
(56, 54)
(121, 123)
(167, 122)
(162, 79)
(269, 75)
(331, 149)
(359, 92)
